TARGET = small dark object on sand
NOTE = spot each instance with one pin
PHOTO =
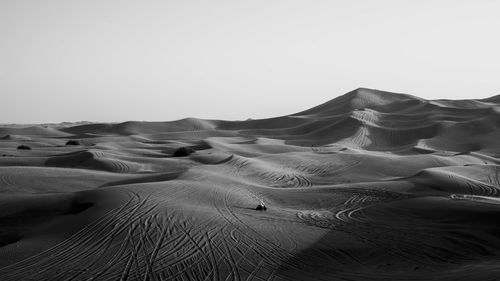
(72, 142)
(183, 151)
(25, 147)
(260, 207)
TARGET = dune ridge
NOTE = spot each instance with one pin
(371, 185)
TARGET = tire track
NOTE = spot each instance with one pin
(84, 242)
(33, 261)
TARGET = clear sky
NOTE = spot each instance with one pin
(101, 60)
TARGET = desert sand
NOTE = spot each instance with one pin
(371, 185)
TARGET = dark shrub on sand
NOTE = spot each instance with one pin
(72, 142)
(25, 147)
(183, 151)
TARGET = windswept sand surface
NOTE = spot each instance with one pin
(369, 186)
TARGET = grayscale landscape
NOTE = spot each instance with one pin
(371, 185)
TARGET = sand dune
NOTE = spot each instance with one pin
(41, 131)
(371, 185)
(133, 127)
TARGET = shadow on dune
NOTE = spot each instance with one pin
(35, 211)
(428, 238)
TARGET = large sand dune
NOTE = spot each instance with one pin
(371, 185)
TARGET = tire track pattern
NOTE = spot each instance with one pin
(137, 241)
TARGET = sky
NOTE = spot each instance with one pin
(113, 61)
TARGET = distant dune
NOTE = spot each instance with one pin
(371, 185)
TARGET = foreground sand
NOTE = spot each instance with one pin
(369, 186)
